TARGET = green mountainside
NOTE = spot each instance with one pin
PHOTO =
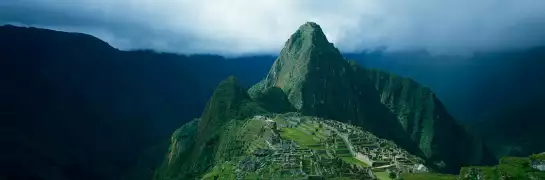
(315, 116)
(195, 150)
(320, 82)
(425, 119)
(290, 146)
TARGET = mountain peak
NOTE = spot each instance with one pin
(306, 65)
(310, 26)
(308, 36)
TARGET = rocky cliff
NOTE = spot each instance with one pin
(427, 122)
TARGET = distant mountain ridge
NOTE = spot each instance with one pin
(79, 108)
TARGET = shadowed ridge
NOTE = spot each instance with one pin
(229, 102)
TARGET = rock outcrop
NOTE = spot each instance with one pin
(313, 74)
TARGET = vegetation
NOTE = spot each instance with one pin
(299, 137)
(383, 175)
(427, 122)
(239, 133)
(540, 156)
(221, 172)
(355, 161)
(516, 168)
(320, 82)
(274, 100)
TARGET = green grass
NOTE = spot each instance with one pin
(382, 175)
(487, 172)
(538, 156)
(298, 136)
(355, 161)
(251, 129)
(223, 172)
(428, 176)
(537, 175)
(512, 171)
(342, 151)
(251, 175)
(515, 161)
(341, 178)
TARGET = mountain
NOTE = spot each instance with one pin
(477, 82)
(347, 116)
(76, 108)
(499, 90)
(320, 82)
(424, 117)
(516, 91)
(230, 102)
(236, 138)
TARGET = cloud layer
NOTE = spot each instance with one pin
(249, 26)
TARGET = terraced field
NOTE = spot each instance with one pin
(289, 147)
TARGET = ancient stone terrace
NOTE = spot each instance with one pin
(379, 153)
(300, 146)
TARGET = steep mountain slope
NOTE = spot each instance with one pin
(426, 121)
(501, 90)
(229, 103)
(76, 108)
(516, 89)
(319, 82)
(277, 146)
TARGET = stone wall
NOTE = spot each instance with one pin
(539, 165)
(364, 158)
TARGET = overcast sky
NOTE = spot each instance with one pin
(262, 26)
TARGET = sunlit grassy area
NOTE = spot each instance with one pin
(487, 172)
(353, 160)
(382, 175)
(538, 156)
(223, 172)
(298, 136)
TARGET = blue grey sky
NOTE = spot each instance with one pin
(253, 27)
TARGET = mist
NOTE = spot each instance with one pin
(240, 27)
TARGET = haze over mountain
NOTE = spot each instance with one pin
(243, 26)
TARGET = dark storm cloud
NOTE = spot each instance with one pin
(247, 26)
